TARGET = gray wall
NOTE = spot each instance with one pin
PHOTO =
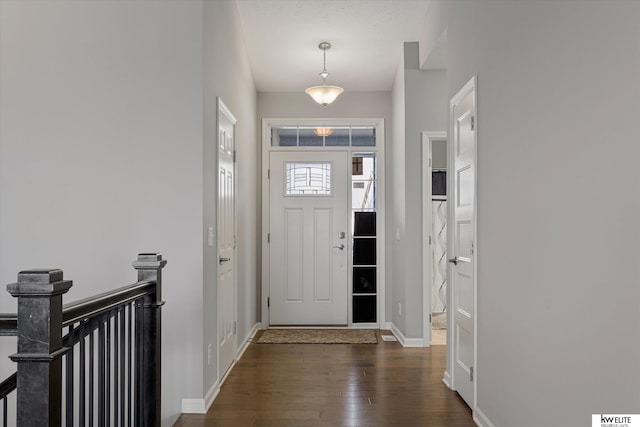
(348, 105)
(439, 154)
(101, 156)
(396, 203)
(558, 204)
(420, 104)
(227, 74)
(108, 121)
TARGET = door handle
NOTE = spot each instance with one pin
(223, 259)
(454, 260)
(340, 246)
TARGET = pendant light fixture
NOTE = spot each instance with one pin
(324, 94)
(323, 131)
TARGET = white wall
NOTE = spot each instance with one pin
(558, 204)
(227, 74)
(348, 105)
(100, 155)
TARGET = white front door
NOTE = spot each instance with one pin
(308, 247)
(462, 250)
(226, 241)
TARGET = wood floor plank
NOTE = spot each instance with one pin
(336, 385)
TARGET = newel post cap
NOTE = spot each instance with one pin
(149, 261)
(40, 282)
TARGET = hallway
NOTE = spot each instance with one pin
(336, 385)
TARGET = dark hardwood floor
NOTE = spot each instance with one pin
(336, 385)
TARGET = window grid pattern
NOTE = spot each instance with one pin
(307, 179)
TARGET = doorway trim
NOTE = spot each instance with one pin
(379, 149)
(427, 149)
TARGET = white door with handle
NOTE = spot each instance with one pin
(462, 245)
(308, 248)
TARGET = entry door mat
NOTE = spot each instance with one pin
(318, 336)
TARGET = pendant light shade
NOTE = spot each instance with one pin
(324, 94)
(323, 131)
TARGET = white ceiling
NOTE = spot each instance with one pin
(282, 38)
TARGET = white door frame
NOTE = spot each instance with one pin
(377, 123)
(427, 208)
(449, 375)
(222, 109)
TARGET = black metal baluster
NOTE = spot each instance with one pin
(69, 380)
(137, 381)
(4, 412)
(107, 377)
(129, 376)
(101, 375)
(121, 317)
(91, 374)
(116, 359)
(81, 386)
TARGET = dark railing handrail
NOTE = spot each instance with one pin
(92, 306)
(87, 307)
(8, 324)
(8, 385)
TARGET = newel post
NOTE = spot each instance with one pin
(39, 393)
(148, 341)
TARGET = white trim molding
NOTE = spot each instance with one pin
(379, 149)
(446, 379)
(427, 153)
(247, 341)
(404, 341)
(201, 406)
(481, 419)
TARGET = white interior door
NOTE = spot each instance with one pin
(308, 238)
(462, 249)
(226, 241)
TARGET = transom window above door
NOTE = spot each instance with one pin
(323, 136)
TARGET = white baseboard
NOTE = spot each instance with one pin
(211, 395)
(193, 406)
(404, 341)
(481, 419)
(201, 406)
(446, 379)
(247, 341)
(386, 326)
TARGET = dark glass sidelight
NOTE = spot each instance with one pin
(364, 224)
(364, 308)
(364, 268)
(364, 280)
(364, 251)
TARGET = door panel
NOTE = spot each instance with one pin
(293, 253)
(226, 241)
(462, 249)
(308, 256)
